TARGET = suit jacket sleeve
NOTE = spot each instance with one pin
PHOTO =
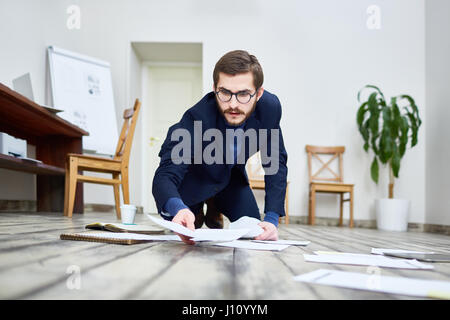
(275, 183)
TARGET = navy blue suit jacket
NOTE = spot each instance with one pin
(194, 183)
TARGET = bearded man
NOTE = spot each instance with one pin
(237, 104)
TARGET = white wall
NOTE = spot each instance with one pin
(316, 55)
(438, 111)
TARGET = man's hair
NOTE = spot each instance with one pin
(239, 61)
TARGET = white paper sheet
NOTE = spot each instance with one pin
(378, 283)
(366, 260)
(175, 227)
(288, 242)
(218, 235)
(382, 251)
(245, 244)
(247, 223)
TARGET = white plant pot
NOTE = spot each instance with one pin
(392, 214)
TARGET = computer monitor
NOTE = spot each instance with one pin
(23, 86)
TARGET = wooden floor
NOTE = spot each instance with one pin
(34, 263)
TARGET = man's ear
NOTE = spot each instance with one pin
(260, 93)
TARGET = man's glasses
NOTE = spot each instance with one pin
(243, 97)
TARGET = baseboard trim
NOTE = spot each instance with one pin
(431, 228)
(97, 207)
(333, 222)
(372, 224)
(31, 205)
(18, 205)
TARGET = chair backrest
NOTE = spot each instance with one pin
(316, 151)
(130, 117)
(254, 167)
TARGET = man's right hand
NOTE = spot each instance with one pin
(186, 218)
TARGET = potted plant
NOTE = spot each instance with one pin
(386, 130)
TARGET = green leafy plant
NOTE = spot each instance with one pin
(387, 129)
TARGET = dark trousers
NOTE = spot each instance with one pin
(235, 200)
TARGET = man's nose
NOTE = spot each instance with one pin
(233, 102)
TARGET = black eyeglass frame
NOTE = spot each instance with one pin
(235, 94)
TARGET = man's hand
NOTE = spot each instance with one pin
(186, 218)
(270, 231)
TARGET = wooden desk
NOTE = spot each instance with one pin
(53, 137)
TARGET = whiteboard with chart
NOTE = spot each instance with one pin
(81, 86)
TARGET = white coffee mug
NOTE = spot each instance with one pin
(128, 211)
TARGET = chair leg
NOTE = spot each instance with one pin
(351, 208)
(117, 196)
(286, 217)
(341, 213)
(309, 206)
(313, 206)
(66, 190)
(72, 185)
(125, 186)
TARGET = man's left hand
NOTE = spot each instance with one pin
(270, 231)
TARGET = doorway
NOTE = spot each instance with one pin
(169, 89)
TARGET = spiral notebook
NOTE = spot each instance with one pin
(117, 238)
(119, 227)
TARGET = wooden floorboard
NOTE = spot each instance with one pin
(201, 273)
(34, 263)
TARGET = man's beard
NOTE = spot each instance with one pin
(223, 112)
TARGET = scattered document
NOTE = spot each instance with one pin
(175, 227)
(218, 235)
(365, 260)
(245, 244)
(215, 235)
(248, 223)
(335, 252)
(378, 283)
(382, 251)
(245, 227)
(288, 242)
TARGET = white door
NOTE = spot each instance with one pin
(168, 91)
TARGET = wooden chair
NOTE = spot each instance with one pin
(327, 187)
(118, 166)
(255, 173)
